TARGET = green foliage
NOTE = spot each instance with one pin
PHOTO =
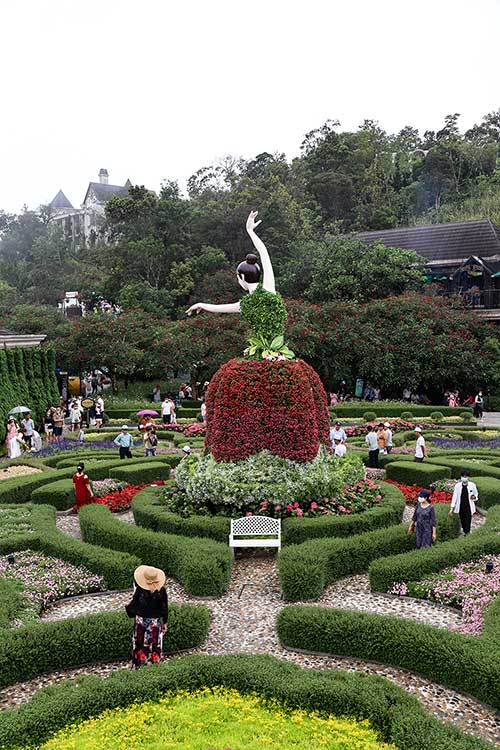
(202, 566)
(437, 416)
(230, 488)
(488, 490)
(60, 494)
(369, 416)
(305, 569)
(423, 474)
(264, 313)
(396, 715)
(464, 663)
(11, 600)
(106, 636)
(407, 414)
(465, 416)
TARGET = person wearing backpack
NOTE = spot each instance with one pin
(150, 440)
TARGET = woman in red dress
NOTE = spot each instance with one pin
(83, 490)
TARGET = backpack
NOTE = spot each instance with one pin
(153, 440)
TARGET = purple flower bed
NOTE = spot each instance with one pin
(456, 443)
(467, 586)
(45, 579)
(67, 444)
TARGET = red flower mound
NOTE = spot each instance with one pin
(253, 405)
(117, 502)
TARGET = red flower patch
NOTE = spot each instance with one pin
(278, 406)
(117, 502)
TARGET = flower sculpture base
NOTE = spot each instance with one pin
(255, 405)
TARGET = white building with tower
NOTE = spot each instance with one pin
(84, 226)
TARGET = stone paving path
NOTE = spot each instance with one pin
(243, 621)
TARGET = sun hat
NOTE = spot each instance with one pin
(387, 424)
(337, 421)
(124, 427)
(417, 429)
(149, 578)
(186, 448)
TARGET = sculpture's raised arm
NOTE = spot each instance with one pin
(248, 272)
(267, 269)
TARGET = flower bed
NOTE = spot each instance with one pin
(438, 492)
(120, 499)
(217, 719)
(467, 586)
(354, 498)
(205, 486)
(43, 579)
(15, 521)
(397, 425)
(454, 443)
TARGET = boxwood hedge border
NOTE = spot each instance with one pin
(397, 717)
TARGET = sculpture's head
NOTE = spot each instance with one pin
(248, 273)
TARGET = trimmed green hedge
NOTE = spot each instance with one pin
(142, 472)
(117, 568)
(47, 646)
(478, 468)
(397, 716)
(202, 566)
(464, 663)
(150, 512)
(60, 494)
(11, 601)
(415, 565)
(488, 490)
(409, 472)
(305, 569)
(392, 409)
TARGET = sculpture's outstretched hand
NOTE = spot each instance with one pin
(251, 223)
(198, 307)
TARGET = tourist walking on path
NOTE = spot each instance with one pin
(150, 440)
(48, 425)
(98, 415)
(83, 490)
(388, 442)
(338, 433)
(478, 405)
(157, 394)
(381, 438)
(420, 448)
(75, 416)
(149, 607)
(166, 409)
(125, 442)
(372, 442)
(27, 426)
(58, 417)
(424, 521)
(464, 500)
(203, 411)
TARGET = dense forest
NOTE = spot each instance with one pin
(164, 251)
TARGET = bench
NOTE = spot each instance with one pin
(255, 526)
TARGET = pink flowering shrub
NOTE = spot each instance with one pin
(467, 586)
(354, 498)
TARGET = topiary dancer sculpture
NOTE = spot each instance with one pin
(269, 400)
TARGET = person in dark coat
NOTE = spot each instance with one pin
(149, 607)
(424, 521)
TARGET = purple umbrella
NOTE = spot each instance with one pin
(147, 413)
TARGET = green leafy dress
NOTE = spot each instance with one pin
(265, 313)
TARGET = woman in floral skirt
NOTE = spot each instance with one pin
(149, 607)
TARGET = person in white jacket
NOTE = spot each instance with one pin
(463, 501)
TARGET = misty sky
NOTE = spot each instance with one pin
(154, 90)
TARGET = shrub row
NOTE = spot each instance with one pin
(117, 567)
(397, 716)
(305, 569)
(423, 474)
(393, 409)
(464, 663)
(38, 487)
(150, 512)
(479, 469)
(415, 565)
(202, 566)
(47, 646)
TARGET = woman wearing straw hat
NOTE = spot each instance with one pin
(149, 606)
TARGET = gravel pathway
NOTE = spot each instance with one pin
(243, 621)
